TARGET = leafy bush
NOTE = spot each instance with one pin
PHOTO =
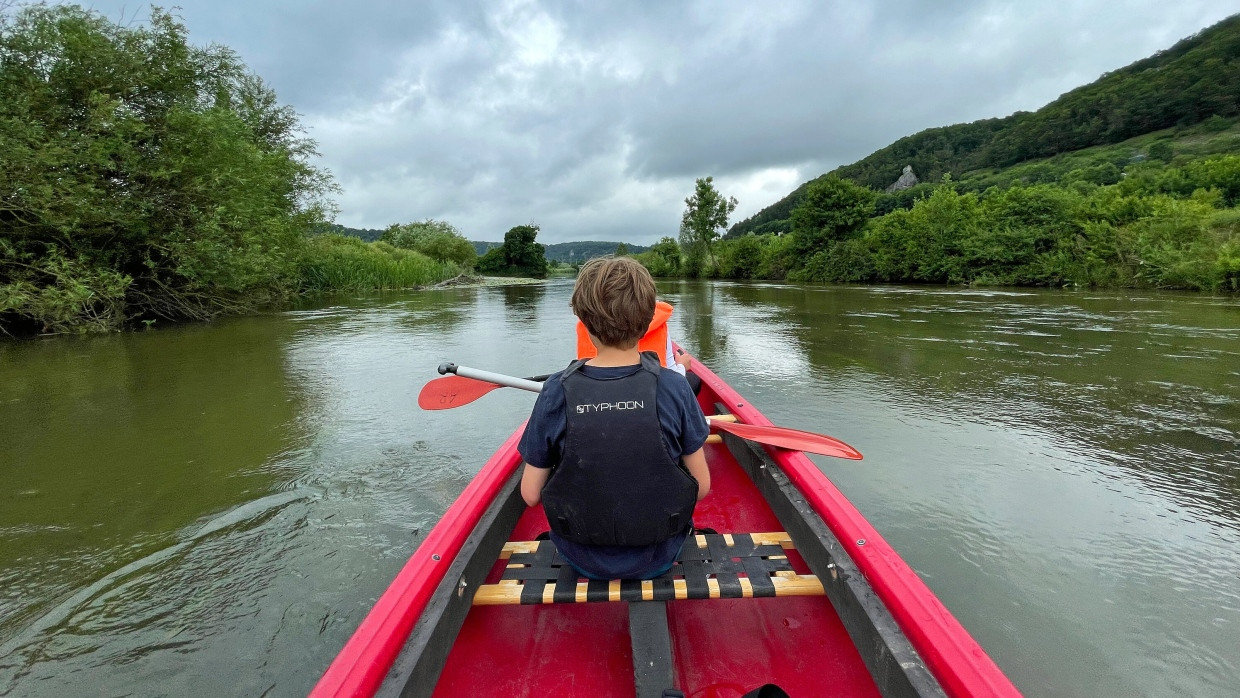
(1216, 124)
(136, 164)
(905, 198)
(1173, 246)
(846, 260)
(1227, 266)
(85, 297)
(1221, 173)
(778, 257)
(662, 259)
(831, 209)
(436, 239)
(1161, 150)
(1105, 173)
(741, 258)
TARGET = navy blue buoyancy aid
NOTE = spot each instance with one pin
(615, 483)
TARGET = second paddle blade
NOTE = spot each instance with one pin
(792, 439)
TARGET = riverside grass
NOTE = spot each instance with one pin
(343, 263)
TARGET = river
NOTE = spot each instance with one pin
(211, 509)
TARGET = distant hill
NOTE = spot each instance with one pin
(367, 234)
(570, 252)
(581, 251)
(559, 252)
(482, 247)
(1189, 83)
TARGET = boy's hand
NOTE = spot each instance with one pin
(684, 360)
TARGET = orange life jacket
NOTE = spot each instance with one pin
(654, 340)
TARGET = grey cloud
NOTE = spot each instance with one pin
(594, 119)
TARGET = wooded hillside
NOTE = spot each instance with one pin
(1194, 80)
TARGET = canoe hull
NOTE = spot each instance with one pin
(877, 631)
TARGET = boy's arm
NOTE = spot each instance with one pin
(541, 441)
(532, 481)
(696, 463)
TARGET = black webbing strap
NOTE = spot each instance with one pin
(696, 565)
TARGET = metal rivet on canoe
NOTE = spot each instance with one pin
(860, 541)
(460, 588)
(435, 556)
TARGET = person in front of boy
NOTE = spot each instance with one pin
(613, 446)
(656, 339)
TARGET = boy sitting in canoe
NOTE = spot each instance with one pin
(613, 447)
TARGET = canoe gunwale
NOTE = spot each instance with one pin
(416, 669)
(894, 664)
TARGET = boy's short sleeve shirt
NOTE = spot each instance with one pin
(684, 427)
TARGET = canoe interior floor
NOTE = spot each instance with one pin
(721, 647)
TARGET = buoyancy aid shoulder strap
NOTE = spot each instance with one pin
(649, 359)
(573, 366)
(651, 362)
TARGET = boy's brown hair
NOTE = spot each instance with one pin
(614, 298)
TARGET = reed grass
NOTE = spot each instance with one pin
(343, 263)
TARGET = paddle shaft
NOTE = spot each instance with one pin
(489, 377)
(534, 386)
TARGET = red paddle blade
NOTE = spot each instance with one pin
(452, 391)
(792, 439)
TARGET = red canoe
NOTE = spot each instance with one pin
(795, 589)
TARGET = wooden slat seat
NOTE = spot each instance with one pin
(710, 566)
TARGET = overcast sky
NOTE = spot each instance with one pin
(592, 120)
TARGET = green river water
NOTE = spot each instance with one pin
(211, 509)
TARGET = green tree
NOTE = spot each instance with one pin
(492, 262)
(831, 209)
(924, 244)
(141, 178)
(622, 249)
(1220, 173)
(706, 215)
(436, 239)
(778, 257)
(518, 256)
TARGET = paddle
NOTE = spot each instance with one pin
(791, 439)
(781, 437)
(456, 390)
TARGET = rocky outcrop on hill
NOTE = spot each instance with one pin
(906, 180)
